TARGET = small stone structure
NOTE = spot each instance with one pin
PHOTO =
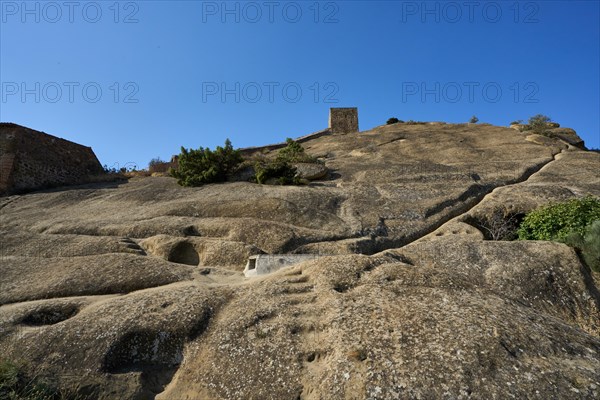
(32, 160)
(246, 151)
(262, 264)
(343, 120)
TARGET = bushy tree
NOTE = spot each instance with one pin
(557, 221)
(155, 161)
(158, 165)
(539, 123)
(280, 169)
(392, 120)
(474, 120)
(293, 152)
(282, 172)
(201, 166)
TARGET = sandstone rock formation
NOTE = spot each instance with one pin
(134, 289)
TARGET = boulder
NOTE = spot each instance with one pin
(311, 171)
(568, 135)
(519, 127)
(543, 140)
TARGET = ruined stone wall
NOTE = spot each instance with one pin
(343, 120)
(32, 160)
(246, 151)
(7, 158)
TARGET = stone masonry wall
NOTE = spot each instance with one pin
(7, 157)
(270, 147)
(33, 160)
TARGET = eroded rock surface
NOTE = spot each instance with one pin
(135, 290)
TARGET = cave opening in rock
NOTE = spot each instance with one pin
(184, 253)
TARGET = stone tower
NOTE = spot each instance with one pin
(343, 120)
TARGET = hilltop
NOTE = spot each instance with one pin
(135, 289)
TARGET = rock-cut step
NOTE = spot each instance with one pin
(130, 246)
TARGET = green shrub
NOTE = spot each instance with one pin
(474, 120)
(557, 221)
(591, 246)
(588, 244)
(9, 375)
(293, 152)
(517, 122)
(201, 166)
(539, 123)
(155, 161)
(15, 384)
(281, 171)
(392, 120)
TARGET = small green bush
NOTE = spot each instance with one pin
(293, 152)
(281, 171)
(474, 120)
(280, 168)
(155, 161)
(517, 122)
(588, 244)
(539, 123)
(557, 221)
(9, 375)
(202, 166)
(591, 246)
(15, 384)
(114, 170)
(392, 120)
(158, 165)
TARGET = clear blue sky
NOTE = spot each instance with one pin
(193, 73)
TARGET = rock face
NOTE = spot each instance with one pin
(568, 135)
(135, 290)
(32, 160)
(554, 130)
